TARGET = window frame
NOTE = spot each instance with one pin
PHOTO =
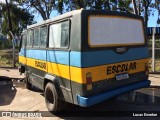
(46, 41)
(59, 48)
(114, 45)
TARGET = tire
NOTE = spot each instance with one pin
(52, 101)
(28, 85)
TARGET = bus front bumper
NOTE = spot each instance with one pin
(89, 101)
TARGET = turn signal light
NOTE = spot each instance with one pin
(89, 81)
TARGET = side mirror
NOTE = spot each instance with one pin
(20, 44)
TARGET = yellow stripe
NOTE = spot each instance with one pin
(100, 72)
(52, 68)
(79, 74)
(31, 62)
(22, 59)
(59, 70)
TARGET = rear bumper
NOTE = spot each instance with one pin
(92, 100)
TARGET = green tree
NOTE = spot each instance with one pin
(20, 18)
(15, 19)
(43, 7)
(46, 7)
(114, 5)
(145, 8)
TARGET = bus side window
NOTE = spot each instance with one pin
(64, 34)
(30, 38)
(59, 35)
(43, 37)
(36, 37)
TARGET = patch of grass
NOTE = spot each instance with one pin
(157, 44)
(6, 58)
(157, 60)
(157, 65)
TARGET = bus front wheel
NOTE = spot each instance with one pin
(28, 85)
(53, 103)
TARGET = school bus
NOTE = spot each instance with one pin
(85, 57)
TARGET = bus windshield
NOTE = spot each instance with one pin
(115, 31)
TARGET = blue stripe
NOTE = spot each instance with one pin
(36, 54)
(89, 101)
(60, 57)
(95, 58)
(87, 59)
(22, 51)
(75, 59)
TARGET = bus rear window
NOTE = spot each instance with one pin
(115, 31)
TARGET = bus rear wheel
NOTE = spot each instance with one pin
(52, 101)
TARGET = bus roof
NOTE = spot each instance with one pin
(65, 15)
(74, 12)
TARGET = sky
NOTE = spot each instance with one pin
(2, 0)
(153, 20)
(151, 23)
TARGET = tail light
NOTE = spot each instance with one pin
(89, 81)
(146, 68)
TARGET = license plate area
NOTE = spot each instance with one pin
(122, 76)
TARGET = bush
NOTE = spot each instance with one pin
(5, 44)
(6, 58)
